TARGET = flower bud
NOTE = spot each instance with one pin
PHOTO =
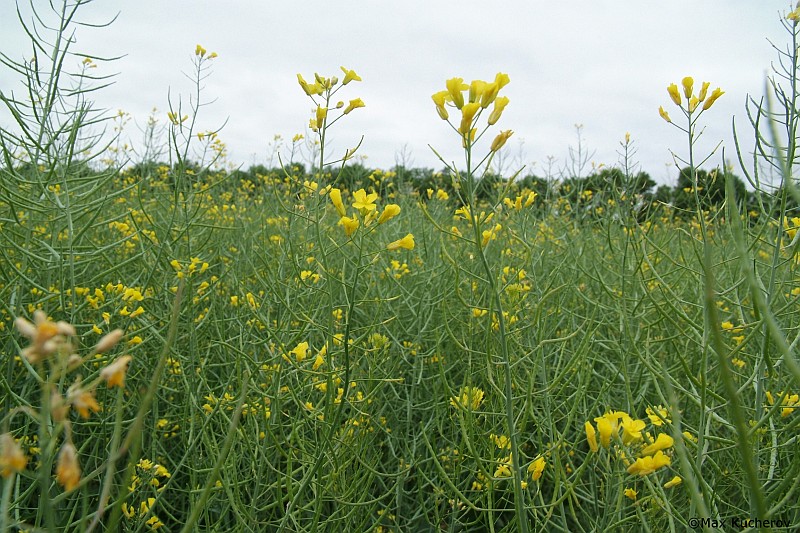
(336, 200)
(321, 113)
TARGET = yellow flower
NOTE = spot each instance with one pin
(693, 101)
(336, 200)
(674, 94)
(406, 242)
(199, 51)
(364, 202)
(12, 459)
(630, 493)
(300, 351)
(500, 140)
(663, 441)
(674, 482)
(501, 80)
(84, 401)
(439, 99)
(591, 436)
(605, 429)
(647, 465)
(114, 374)
(454, 88)
(658, 416)
(631, 430)
(353, 105)
(664, 114)
(389, 212)
(500, 104)
(703, 91)
(467, 114)
(476, 88)
(489, 94)
(688, 84)
(349, 75)
(503, 469)
(713, 98)
(310, 90)
(349, 224)
(536, 468)
(321, 113)
(68, 472)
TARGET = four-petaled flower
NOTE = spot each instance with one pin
(349, 75)
(364, 202)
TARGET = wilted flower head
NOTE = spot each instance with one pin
(68, 471)
(46, 336)
(12, 459)
(114, 374)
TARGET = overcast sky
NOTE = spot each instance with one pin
(601, 63)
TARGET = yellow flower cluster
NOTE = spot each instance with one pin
(692, 100)
(789, 401)
(367, 209)
(469, 398)
(481, 95)
(326, 87)
(619, 428)
(519, 202)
